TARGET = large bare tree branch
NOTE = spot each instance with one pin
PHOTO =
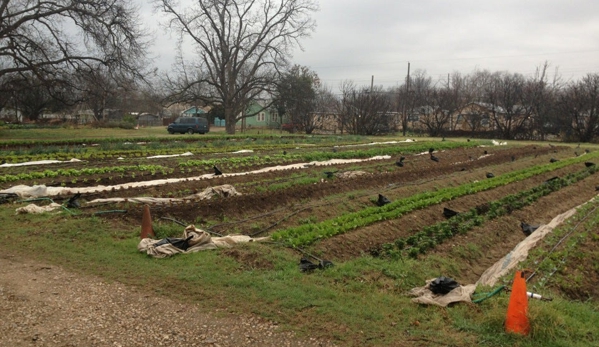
(240, 46)
(52, 37)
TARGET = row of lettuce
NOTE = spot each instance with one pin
(309, 233)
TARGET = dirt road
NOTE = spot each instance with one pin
(44, 305)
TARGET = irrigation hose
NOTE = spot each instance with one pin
(109, 211)
(175, 221)
(488, 295)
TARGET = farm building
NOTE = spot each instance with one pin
(260, 117)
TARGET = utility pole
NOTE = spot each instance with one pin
(408, 82)
(371, 84)
(404, 122)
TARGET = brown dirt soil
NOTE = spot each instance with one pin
(367, 239)
(414, 175)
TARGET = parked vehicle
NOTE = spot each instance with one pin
(189, 125)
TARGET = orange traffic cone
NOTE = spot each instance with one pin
(517, 310)
(146, 223)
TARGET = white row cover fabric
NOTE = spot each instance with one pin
(41, 162)
(37, 191)
(378, 143)
(225, 191)
(186, 154)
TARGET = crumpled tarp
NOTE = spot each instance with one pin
(33, 208)
(195, 240)
(425, 296)
(225, 190)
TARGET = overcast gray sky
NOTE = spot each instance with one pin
(357, 39)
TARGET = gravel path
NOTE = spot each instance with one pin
(42, 305)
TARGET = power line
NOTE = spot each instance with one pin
(453, 59)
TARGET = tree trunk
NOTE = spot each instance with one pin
(230, 120)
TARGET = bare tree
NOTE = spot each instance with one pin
(367, 111)
(445, 102)
(418, 99)
(33, 96)
(510, 114)
(296, 97)
(97, 89)
(540, 94)
(474, 120)
(326, 108)
(52, 38)
(437, 119)
(579, 108)
(345, 110)
(240, 45)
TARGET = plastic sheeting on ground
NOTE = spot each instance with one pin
(25, 191)
(193, 240)
(377, 143)
(425, 296)
(33, 208)
(225, 190)
(41, 162)
(520, 252)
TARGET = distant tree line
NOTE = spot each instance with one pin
(488, 104)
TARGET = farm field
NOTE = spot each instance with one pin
(316, 197)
